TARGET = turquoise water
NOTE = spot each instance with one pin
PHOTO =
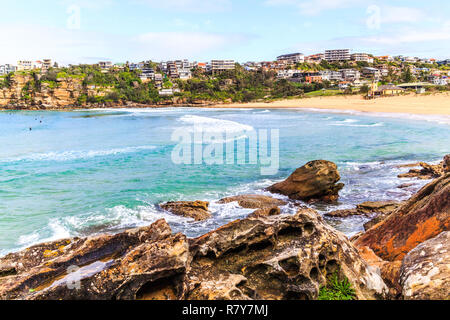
(84, 172)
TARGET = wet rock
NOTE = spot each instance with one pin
(197, 210)
(367, 208)
(278, 257)
(422, 217)
(274, 257)
(427, 171)
(425, 272)
(266, 212)
(315, 181)
(254, 201)
(101, 267)
(405, 185)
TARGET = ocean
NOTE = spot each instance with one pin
(79, 173)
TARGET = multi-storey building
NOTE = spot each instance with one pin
(337, 55)
(147, 74)
(7, 69)
(292, 58)
(350, 74)
(372, 73)
(25, 65)
(105, 65)
(361, 57)
(46, 64)
(331, 75)
(315, 58)
(222, 65)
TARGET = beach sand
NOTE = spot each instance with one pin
(435, 104)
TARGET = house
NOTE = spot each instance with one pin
(331, 75)
(105, 65)
(222, 65)
(7, 69)
(292, 58)
(361, 57)
(337, 55)
(25, 65)
(373, 73)
(185, 74)
(388, 90)
(313, 79)
(315, 58)
(350, 74)
(147, 74)
(46, 65)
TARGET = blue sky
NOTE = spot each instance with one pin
(74, 31)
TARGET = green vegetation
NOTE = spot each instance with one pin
(337, 289)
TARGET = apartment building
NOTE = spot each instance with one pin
(46, 64)
(25, 65)
(147, 74)
(105, 65)
(372, 73)
(7, 69)
(291, 58)
(331, 75)
(315, 58)
(337, 55)
(222, 65)
(361, 57)
(350, 74)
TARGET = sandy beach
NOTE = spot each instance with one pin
(436, 104)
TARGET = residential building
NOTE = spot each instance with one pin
(222, 65)
(315, 58)
(25, 65)
(185, 74)
(361, 57)
(388, 90)
(331, 75)
(7, 69)
(350, 74)
(385, 58)
(136, 66)
(373, 73)
(444, 62)
(172, 70)
(147, 74)
(105, 65)
(292, 58)
(46, 64)
(313, 79)
(337, 55)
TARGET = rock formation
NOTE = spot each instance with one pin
(425, 271)
(197, 210)
(422, 217)
(367, 208)
(427, 171)
(277, 257)
(317, 180)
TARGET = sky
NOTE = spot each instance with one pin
(87, 31)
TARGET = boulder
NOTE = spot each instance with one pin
(422, 217)
(276, 258)
(425, 271)
(254, 201)
(266, 212)
(317, 180)
(197, 210)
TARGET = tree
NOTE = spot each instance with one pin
(407, 75)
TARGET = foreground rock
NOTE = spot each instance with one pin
(427, 171)
(446, 164)
(425, 272)
(197, 210)
(315, 181)
(422, 217)
(367, 209)
(254, 201)
(278, 257)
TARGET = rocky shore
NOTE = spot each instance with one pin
(404, 253)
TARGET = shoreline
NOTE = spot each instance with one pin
(437, 104)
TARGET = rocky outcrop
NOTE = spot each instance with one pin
(315, 181)
(254, 201)
(425, 271)
(276, 257)
(197, 210)
(426, 172)
(422, 217)
(367, 208)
